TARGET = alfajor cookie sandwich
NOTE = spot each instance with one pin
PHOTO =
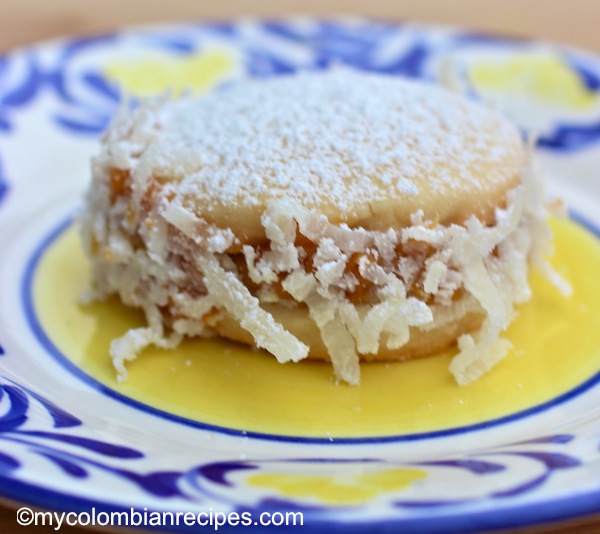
(335, 215)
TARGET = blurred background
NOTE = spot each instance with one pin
(569, 21)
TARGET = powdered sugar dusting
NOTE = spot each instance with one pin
(340, 138)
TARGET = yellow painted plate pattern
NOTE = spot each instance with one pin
(556, 347)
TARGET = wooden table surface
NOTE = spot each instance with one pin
(574, 22)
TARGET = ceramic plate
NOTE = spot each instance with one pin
(216, 428)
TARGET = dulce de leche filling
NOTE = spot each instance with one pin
(356, 284)
(361, 292)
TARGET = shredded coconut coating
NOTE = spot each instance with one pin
(359, 165)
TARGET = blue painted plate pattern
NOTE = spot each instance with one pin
(64, 444)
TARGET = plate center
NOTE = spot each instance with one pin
(556, 348)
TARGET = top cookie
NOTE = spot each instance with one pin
(363, 149)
